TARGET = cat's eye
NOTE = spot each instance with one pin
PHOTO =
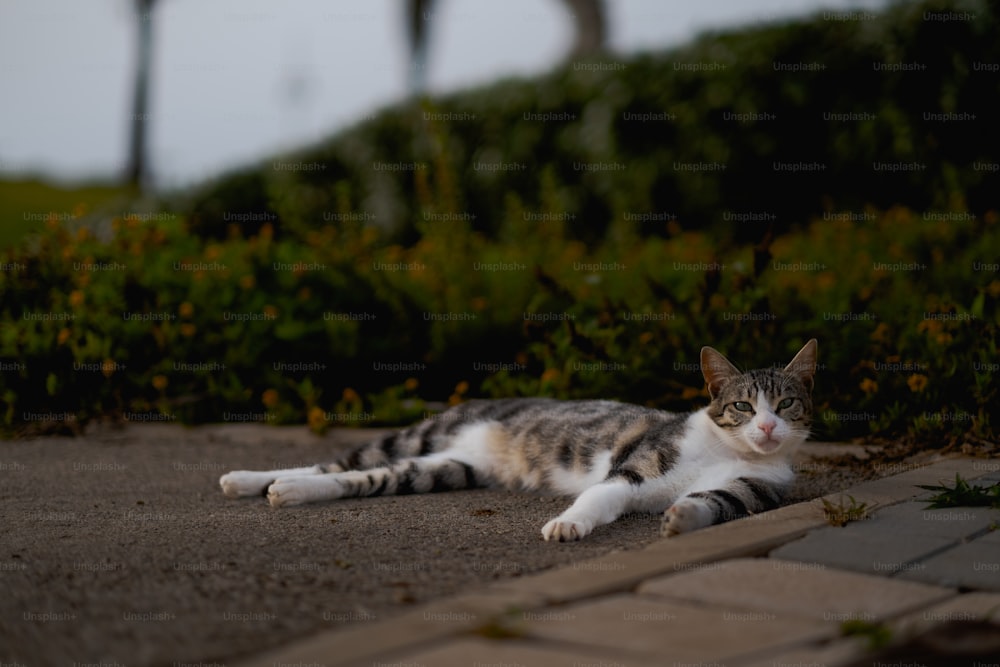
(743, 406)
(785, 403)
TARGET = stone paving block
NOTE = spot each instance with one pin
(437, 620)
(838, 652)
(968, 607)
(887, 556)
(905, 485)
(974, 565)
(796, 589)
(674, 631)
(513, 652)
(624, 570)
(913, 518)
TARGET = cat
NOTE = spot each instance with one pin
(727, 460)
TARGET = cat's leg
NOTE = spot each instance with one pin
(428, 474)
(596, 506)
(239, 483)
(734, 499)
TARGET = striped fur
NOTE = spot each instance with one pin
(725, 461)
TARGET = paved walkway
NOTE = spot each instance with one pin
(784, 588)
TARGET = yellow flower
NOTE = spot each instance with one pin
(316, 418)
(76, 298)
(917, 382)
(690, 392)
(160, 382)
(869, 386)
(186, 310)
(270, 398)
(64, 335)
(881, 333)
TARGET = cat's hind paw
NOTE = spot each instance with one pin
(564, 530)
(684, 516)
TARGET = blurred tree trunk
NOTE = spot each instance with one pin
(136, 172)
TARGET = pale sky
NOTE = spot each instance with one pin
(237, 80)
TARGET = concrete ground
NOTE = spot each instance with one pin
(119, 547)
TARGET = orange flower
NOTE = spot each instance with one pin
(270, 398)
(160, 382)
(186, 310)
(76, 298)
(108, 367)
(248, 282)
(917, 382)
(188, 329)
(350, 395)
(270, 311)
(550, 375)
(869, 386)
(461, 387)
(64, 335)
(411, 384)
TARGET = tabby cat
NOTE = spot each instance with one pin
(729, 459)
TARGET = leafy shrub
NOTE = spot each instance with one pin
(362, 294)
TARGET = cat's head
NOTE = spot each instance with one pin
(764, 411)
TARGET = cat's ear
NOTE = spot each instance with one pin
(716, 369)
(803, 366)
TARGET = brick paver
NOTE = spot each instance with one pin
(781, 588)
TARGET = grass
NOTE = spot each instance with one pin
(963, 494)
(26, 204)
(845, 511)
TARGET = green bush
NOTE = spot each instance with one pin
(345, 334)
(356, 295)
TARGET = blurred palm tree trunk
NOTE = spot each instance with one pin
(136, 171)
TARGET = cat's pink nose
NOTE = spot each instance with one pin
(767, 427)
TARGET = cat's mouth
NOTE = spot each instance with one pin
(767, 445)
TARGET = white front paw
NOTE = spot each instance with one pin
(565, 530)
(288, 491)
(240, 483)
(685, 516)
